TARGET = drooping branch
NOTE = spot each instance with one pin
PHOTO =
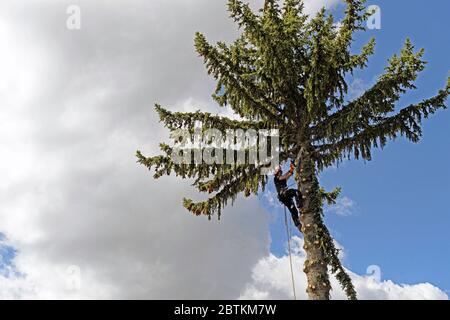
(248, 180)
(227, 180)
(335, 263)
(164, 165)
(187, 120)
(406, 123)
(375, 102)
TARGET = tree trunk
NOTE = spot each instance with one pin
(316, 266)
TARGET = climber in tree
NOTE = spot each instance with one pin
(286, 195)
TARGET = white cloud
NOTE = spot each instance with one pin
(356, 88)
(271, 279)
(344, 207)
(270, 197)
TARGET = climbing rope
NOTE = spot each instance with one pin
(288, 233)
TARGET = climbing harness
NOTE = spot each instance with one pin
(288, 233)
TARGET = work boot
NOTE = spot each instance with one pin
(298, 200)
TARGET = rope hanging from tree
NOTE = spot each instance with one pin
(288, 234)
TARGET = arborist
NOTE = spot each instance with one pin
(286, 195)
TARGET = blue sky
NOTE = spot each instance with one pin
(401, 217)
(7, 255)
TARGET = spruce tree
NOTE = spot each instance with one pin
(290, 72)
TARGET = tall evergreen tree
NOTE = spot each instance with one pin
(290, 72)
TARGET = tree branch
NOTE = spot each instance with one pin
(406, 123)
(375, 102)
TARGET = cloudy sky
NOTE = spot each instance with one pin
(80, 219)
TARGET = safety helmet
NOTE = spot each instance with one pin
(277, 170)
